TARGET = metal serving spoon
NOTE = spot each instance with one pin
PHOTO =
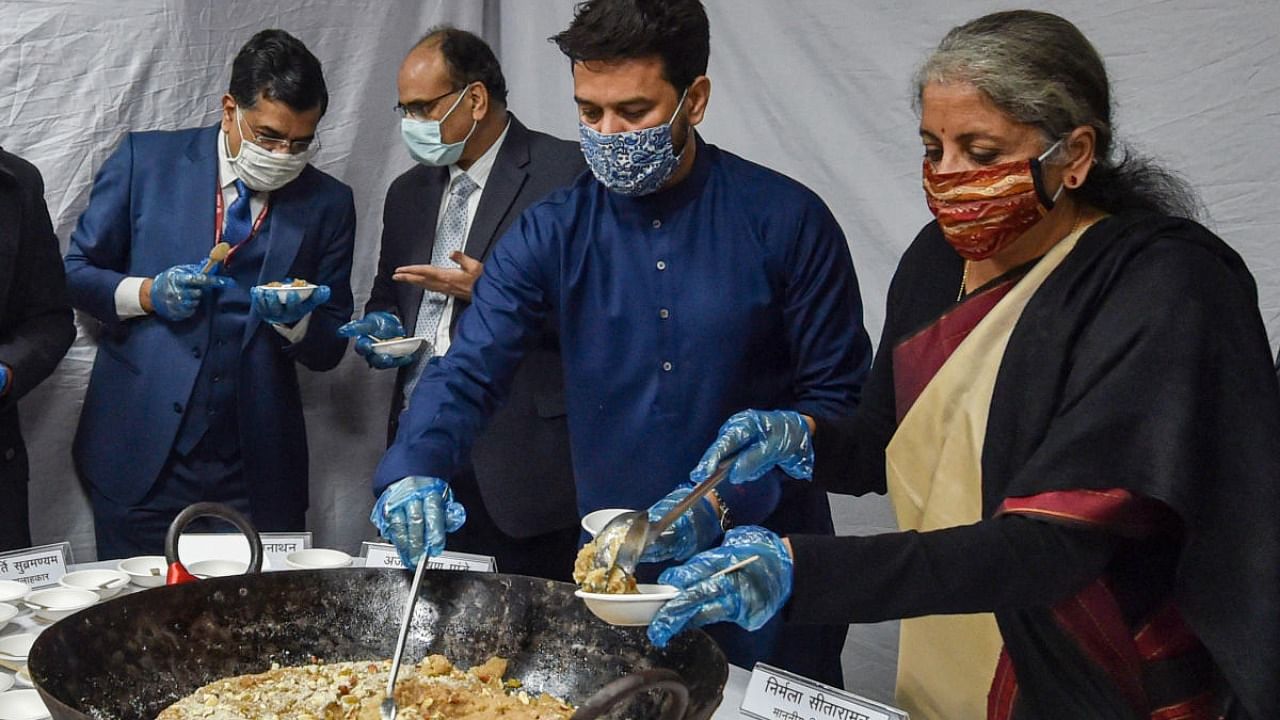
(388, 709)
(637, 532)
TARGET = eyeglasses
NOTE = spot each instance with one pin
(293, 147)
(421, 110)
(277, 144)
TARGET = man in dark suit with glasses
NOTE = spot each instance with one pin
(478, 168)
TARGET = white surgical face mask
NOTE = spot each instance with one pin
(262, 170)
(426, 143)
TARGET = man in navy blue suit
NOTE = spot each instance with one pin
(194, 393)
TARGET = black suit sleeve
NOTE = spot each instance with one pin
(1006, 562)
(38, 322)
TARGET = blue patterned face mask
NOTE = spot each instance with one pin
(634, 162)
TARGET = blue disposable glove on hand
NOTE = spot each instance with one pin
(374, 327)
(176, 292)
(415, 513)
(4, 378)
(697, 529)
(762, 440)
(286, 308)
(749, 596)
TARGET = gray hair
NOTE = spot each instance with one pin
(1036, 67)
(1040, 70)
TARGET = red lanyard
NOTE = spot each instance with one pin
(217, 224)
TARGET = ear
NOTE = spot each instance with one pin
(697, 98)
(228, 113)
(479, 95)
(1081, 145)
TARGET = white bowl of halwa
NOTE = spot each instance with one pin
(630, 609)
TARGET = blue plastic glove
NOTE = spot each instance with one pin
(4, 378)
(762, 440)
(697, 529)
(414, 514)
(749, 596)
(176, 292)
(289, 310)
(374, 327)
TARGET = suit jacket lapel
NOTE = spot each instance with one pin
(505, 180)
(195, 189)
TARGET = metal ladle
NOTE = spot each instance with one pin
(638, 532)
(388, 709)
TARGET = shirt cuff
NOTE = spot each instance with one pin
(295, 333)
(128, 304)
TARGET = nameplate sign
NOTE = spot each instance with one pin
(38, 567)
(775, 694)
(275, 546)
(195, 547)
(385, 555)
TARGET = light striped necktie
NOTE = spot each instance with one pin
(449, 239)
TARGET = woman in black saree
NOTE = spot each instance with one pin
(1073, 408)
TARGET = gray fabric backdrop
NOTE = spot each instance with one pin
(818, 89)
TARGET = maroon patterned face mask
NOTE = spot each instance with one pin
(982, 211)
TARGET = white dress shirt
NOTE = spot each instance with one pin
(128, 304)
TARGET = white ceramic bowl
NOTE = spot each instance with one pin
(217, 568)
(13, 591)
(595, 521)
(22, 705)
(7, 613)
(6, 681)
(400, 347)
(317, 559)
(17, 646)
(53, 604)
(106, 583)
(145, 570)
(282, 292)
(23, 677)
(632, 609)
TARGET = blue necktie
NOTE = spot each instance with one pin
(239, 221)
(452, 232)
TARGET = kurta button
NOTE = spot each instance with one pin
(217, 378)
(666, 366)
(177, 407)
(195, 352)
(664, 313)
(9, 454)
(657, 223)
(662, 264)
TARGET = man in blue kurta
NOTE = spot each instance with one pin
(194, 394)
(686, 283)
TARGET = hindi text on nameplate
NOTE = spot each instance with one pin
(385, 555)
(380, 555)
(775, 694)
(276, 545)
(39, 566)
(449, 560)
